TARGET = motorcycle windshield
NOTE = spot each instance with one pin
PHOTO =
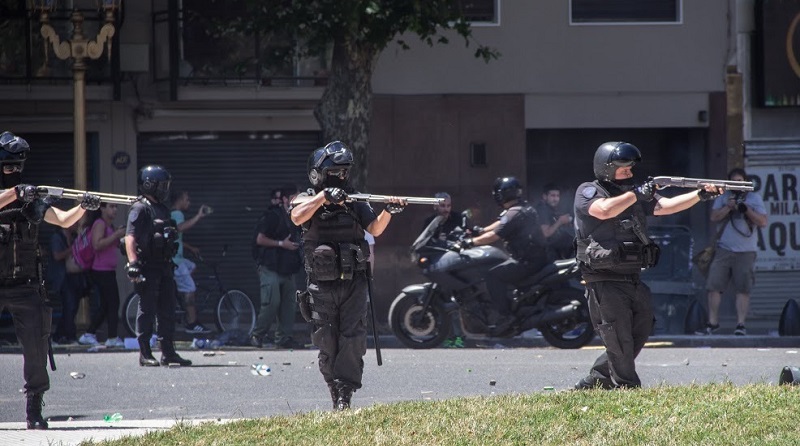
(427, 233)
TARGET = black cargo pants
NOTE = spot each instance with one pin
(622, 315)
(32, 319)
(339, 312)
(156, 299)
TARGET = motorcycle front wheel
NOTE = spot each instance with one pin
(417, 327)
(570, 333)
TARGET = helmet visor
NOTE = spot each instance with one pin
(625, 155)
(338, 153)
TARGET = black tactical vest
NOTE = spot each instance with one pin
(612, 245)
(20, 259)
(159, 241)
(527, 241)
(333, 244)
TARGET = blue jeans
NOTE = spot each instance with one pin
(277, 299)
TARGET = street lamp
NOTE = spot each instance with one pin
(78, 48)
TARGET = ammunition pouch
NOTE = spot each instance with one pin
(303, 303)
(617, 257)
(336, 261)
(164, 244)
(650, 255)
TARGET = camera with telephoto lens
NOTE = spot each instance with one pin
(738, 198)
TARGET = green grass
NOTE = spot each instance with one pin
(713, 414)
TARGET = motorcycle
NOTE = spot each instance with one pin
(552, 300)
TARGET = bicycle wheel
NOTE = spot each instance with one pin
(130, 310)
(235, 311)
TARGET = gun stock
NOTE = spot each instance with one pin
(370, 198)
(60, 192)
(699, 183)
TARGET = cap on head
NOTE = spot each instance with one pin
(612, 155)
(154, 181)
(506, 189)
(329, 166)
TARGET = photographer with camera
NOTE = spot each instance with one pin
(735, 255)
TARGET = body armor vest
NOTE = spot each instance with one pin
(526, 243)
(20, 259)
(160, 242)
(613, 245)
(333, 244)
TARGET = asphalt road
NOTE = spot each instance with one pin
(222, 386)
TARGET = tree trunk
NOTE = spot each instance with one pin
(345, 109)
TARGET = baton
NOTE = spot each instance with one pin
(372, 313)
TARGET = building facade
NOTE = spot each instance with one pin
(230, 123)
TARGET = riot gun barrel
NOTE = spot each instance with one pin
(699, 183)
(60, 192)
(370, 198)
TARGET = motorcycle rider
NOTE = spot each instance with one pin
(612, 249)
(21, 287)
(150, 244)
(519, 228)
(336, 256)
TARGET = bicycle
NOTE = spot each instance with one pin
(233, 310)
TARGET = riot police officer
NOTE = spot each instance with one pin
(150, 243)
(612, 249)
(21, 287)
(518, 227)
(336, 257)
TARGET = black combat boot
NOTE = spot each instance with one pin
(170, 356)
(33, 410)
(146, 358)
(344, 397)
(334, 394)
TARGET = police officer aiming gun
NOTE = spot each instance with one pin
(336, 262)
(151, 241)
(613, 248)
(21, 282)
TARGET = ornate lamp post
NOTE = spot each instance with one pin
(78, 48)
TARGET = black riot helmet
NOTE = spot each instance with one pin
(612, 155)
(506, 189)
(13, 152)
(329, 166)
(154, 181)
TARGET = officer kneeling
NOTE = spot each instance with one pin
(613, 248)
(150, 244)
(336, 257)
(22, 290)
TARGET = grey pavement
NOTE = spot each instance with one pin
(222, 387)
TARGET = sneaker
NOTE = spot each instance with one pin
(88, 339)
(115, 343)
(708, 330)
(456, 342)
(196, 328)
(740, 330)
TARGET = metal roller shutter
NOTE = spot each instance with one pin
(233, 173)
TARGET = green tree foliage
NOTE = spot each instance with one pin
(358, 31)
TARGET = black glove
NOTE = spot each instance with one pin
(90, 202)
(335, 195)
(463, 244)
(706, 195)
(394, 208)
(477, 230)
(133, 270)
(25, 192)
(742, 208)
(645, 191)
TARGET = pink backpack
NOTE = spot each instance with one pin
(82, 251)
